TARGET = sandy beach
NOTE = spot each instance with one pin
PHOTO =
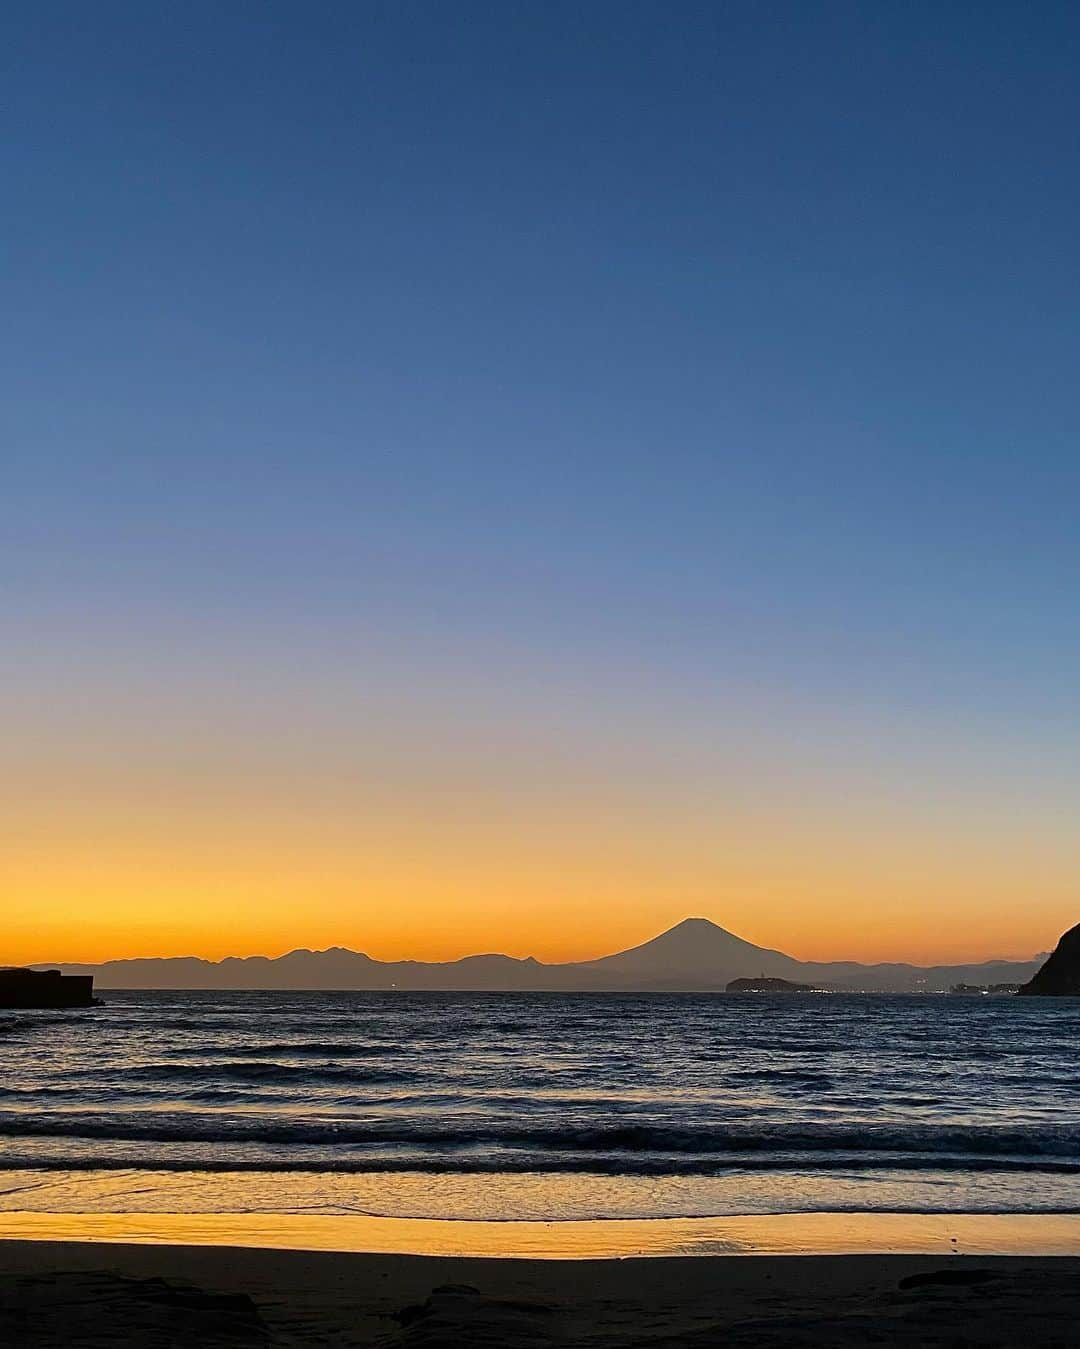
(85, 1294)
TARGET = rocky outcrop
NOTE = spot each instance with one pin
(1060, 976)
(26, 989)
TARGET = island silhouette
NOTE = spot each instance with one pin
(694, 955)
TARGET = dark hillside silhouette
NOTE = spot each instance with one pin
(1060, 976)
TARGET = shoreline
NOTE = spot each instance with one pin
(782, 1235)
(85, 1293)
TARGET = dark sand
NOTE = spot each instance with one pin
(85, 1294)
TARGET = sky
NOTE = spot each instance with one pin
(512, 475)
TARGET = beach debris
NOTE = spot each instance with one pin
(454, 1315)
(100, 1310)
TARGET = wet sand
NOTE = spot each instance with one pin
(942, 1234)
(106, 1294)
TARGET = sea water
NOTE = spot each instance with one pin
(541, 1107)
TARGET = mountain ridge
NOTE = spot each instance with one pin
(694, 955)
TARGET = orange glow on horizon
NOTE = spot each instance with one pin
(242, 850)
(438, 917)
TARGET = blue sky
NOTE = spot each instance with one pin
(715, 351)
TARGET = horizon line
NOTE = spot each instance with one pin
(529, 959)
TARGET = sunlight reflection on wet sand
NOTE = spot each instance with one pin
(786, 1234)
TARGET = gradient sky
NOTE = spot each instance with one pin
(515, 475)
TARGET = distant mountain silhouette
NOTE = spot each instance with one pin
(1060, 976)
(767, 986)
(694, 955)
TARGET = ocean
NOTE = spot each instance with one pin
(542, 1106)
